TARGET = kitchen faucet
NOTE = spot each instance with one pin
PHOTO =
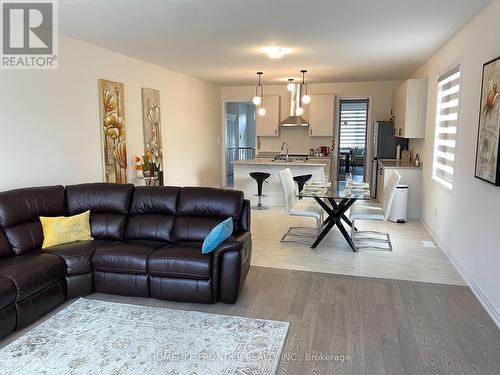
(283, 145)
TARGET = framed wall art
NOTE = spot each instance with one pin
(488, 151)
(112, 122)
(152, 132)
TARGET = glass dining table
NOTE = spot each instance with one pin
(336, 198)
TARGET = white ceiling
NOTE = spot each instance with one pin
(219, 40)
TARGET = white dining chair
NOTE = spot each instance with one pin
(373, 239)
(303, 208)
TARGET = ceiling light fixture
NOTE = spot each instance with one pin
(259, 92)
(259, 96)
(276, 52)
(291, 86)
(306, 99)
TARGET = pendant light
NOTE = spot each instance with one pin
(306, 99)
(291, 86)
(259, 92)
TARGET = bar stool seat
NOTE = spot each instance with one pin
(301, 180)
(260, 177)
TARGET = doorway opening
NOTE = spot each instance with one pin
(352, 138)
(240, 135)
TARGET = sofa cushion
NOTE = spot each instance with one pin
(124, 256)
(152, 213)
(200, 209)
(5, 249)
(108, 205)
(7, 292)
(76, 255)
(20, 210)
(32, 272)
(180, 260)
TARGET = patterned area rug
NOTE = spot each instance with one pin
(97, 337)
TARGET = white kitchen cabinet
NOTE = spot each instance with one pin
(409, 108)
(321, 116)
(268, 125)
(409, 176)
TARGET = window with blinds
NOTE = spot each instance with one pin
(353, 121)
(445, 140)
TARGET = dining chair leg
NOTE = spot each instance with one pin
(373, 242)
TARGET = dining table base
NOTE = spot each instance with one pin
(336, 214)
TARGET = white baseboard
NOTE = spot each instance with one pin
(488, 306)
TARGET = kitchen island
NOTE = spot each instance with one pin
(273, 190)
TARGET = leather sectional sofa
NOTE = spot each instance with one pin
(147, 243)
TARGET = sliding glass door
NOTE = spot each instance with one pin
(352, 138)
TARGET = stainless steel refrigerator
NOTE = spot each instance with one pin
(383, 147)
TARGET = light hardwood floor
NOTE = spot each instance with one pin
(356, 325)
(410, 259)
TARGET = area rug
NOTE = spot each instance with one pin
(98, 337)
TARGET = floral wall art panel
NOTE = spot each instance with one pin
(112, 118)
(152, 133)
(488, 150)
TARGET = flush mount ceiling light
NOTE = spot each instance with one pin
(276, 52)
(291, 86)
(306, 99)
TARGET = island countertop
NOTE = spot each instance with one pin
(264, 161)
(273, 190)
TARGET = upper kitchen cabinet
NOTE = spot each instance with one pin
(321, 115)
(268, 125)
(409, 108)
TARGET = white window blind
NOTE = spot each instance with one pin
(353, 118)
(445, 140)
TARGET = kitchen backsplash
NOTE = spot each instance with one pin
(298, 140)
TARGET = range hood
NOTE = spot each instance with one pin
(294, 119)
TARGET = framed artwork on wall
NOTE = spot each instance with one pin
(488, 150)
(151, 120)
(112, 122)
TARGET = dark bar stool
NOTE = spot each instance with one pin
(301, 180)
(260, 177)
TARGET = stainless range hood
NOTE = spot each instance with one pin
(294, 119)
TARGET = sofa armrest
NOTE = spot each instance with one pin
(235, 242)
(231, 262)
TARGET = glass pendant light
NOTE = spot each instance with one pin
(306, 99)
(259, 92)
(291, 86)
(262, 111)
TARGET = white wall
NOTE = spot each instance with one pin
(465, 221)
(50, 128)
(298, 139)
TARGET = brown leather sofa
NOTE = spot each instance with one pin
(147, 243)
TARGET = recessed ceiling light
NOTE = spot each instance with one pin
(276, 52)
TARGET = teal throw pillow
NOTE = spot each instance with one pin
(217, 235)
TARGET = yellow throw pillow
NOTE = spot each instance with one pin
(63, 229)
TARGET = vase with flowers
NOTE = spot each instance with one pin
(145, 165)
